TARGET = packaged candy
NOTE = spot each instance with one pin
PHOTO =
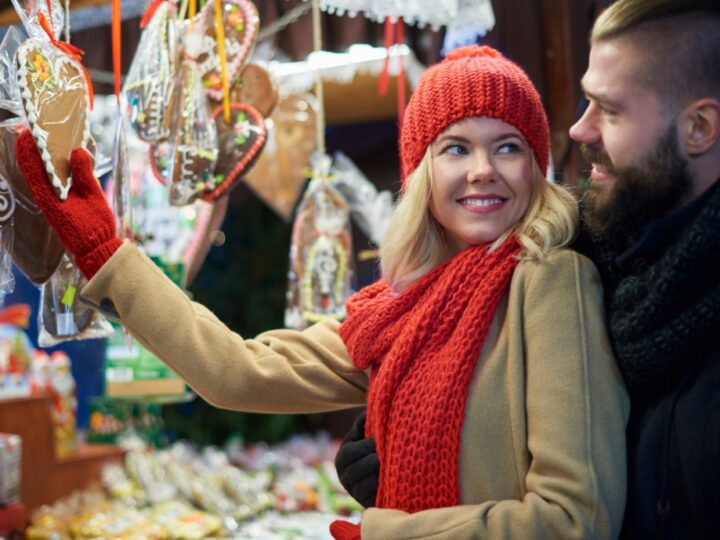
(62, 316)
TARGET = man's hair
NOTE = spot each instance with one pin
(415, 243)
(680, 40)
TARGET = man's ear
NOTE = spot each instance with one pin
(702, 126)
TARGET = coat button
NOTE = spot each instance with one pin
(107, 305)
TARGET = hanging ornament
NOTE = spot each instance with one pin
(256, 87)
(191, 154)
(147, 88)
(56, 97)
(239, 144)
(241, 24)
(121, 181)
(279, 175)
(321, 263)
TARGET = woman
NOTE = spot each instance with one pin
(492, 393)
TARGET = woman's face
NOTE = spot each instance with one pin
(482, 180)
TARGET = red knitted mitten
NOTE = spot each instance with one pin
(83, 222)
(344, 530)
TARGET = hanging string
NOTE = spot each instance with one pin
(320, 117)
(220, 35)
(183, 10)
(116, 20)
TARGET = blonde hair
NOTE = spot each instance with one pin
(415, 242)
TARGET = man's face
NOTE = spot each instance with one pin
(641, 192)
(628, 135)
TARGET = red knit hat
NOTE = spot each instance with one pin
(472, 81)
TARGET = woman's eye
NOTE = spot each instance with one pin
(454, 149)
(509, 148)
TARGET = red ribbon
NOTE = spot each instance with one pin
(394, 34)
(116, 41)
(71, 50)
(149, 12)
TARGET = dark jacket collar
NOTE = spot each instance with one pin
(657, 234)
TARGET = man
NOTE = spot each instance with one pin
(652, 225)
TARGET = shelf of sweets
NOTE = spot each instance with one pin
(46, 477)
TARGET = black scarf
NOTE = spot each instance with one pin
(663, 295)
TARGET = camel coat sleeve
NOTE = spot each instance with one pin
(552, 464)
(282, 371)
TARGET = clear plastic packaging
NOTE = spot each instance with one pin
(62, 317)
(52, 11)
(36, 249)
(321, 257)
(10, 99)
(56, 102)
(7, 280)
(147, 87)
(371, 209)
(193, 148)
(241, 27)
(122, 208)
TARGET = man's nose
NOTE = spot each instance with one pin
(585, 129)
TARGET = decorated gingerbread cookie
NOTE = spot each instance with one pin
(36, 249)
(56, 103)
(278, 177)
(256, 87)
(187, 161)
(149, 82)
(239, 145)
(241, 28)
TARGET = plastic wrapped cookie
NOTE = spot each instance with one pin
(56, 100)
(149, 81)
(36, 249)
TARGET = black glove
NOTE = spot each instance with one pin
(357, 464)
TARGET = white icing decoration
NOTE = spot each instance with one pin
(39, 134)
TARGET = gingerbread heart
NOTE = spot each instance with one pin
(56, 103)
(149, 81)
(239, 145)
(188, 160)
(36, 249)
(241, 28)
(256, 87)
(278, 176)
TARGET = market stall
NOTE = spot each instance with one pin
(206, 138)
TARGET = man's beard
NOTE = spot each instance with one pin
(640, 193)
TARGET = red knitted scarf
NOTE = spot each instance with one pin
(423, 345)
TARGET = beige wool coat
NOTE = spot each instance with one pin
(543, 442)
